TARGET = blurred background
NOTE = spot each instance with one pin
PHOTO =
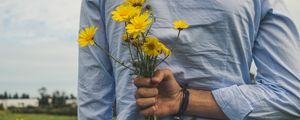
(38, 58)
(38, 62)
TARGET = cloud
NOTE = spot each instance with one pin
(34, 21)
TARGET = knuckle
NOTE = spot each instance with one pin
(147, 92)
(138, 81)
(139, 102)
(166, 71)
(140, 92)
(142, 82)
(155, 78)
(155, 91)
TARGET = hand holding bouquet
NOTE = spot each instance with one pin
(144, 48)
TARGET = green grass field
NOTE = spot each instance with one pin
(12, 116)
(4, 115)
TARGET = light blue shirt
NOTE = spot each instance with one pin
(215, 54)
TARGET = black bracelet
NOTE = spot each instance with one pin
(183, 105)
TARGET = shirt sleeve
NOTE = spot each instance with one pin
(276, 94)
(96, 83)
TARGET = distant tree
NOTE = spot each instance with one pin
(1, 96)
(9, 96)
(67, 97)
(5, 96)
(25, 96)
(16, 96)
(58, 99)
(72, 96)
(43, 91)
(43, 100)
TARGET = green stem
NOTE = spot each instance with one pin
(154, 64)
(140, 60)
(161, 61)
(174, 44)
(129, 44)
(129, 47)
(177, 39)
(121, 63)
(144, 59)
(153, 18)
(143, 36)
(149, 67)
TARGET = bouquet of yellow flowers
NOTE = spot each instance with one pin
(143, 47)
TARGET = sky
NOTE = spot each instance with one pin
(38, 44)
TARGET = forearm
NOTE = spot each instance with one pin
(202, 103)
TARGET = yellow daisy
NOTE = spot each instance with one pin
(136, 2)
(86, 36)
(138, 24)
(165, 50)
(152, 46)
(180, 24)
(125, 12)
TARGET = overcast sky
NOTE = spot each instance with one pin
(38, 44)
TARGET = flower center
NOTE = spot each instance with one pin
(151, 46)
(124, 13)
(138, 26)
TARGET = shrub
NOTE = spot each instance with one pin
(1, 107)
(46, 110)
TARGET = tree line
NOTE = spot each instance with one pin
(6, 95)
(57, 99)
(49, 103)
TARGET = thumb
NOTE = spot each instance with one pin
(161, 75)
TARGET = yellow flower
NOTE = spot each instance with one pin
(147, 13)
(152, 46)
(125, 37)
(180, 24)
(138, 24)
(135, 42)
(136, 2)
(86, 36)
(125, 12)
(165, 50)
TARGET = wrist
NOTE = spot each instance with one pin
(183, 104)
(198, 99)
(178, 101)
